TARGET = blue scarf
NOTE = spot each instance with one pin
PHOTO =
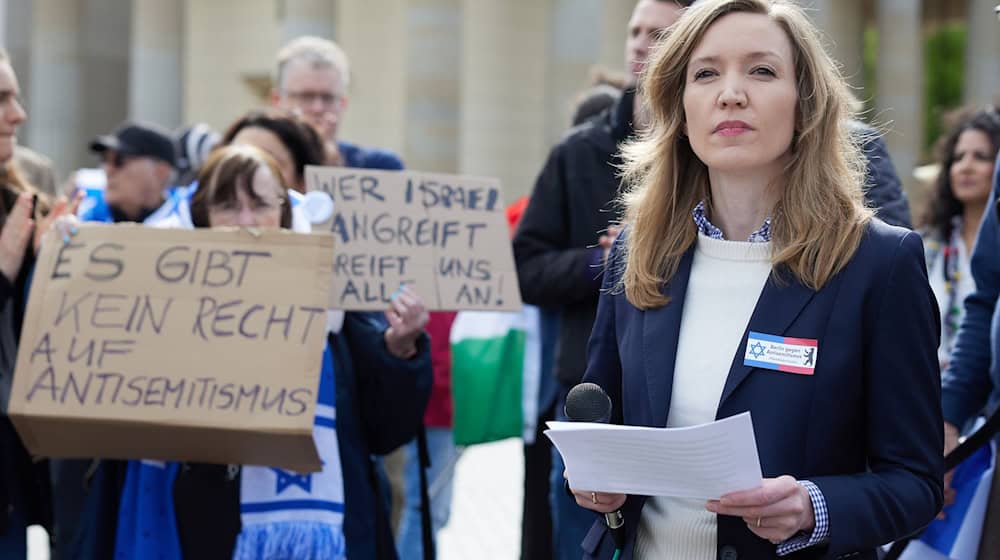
(291, 515)
(284, 514)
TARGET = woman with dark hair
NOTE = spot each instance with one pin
(291, 144)
(953, 215)
(238, 179)
(289, 140)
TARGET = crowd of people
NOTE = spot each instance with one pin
(722, 189)
(376, 376)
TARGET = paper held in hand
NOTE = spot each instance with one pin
(704, 462)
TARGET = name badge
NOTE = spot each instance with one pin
(779, 353)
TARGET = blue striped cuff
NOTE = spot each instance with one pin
(821, 532)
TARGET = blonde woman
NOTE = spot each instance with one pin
(745, 237)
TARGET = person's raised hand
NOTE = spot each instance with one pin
(61, 219)
(407, 318)
(950, 443)
(15, 236)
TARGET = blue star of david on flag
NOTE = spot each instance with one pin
(286, 479)
(757, 350)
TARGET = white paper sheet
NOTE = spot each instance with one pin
(705, 461)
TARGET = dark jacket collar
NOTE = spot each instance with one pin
(620, 115)
(612, 126)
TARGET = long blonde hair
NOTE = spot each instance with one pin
(12, 180)
(820, 217)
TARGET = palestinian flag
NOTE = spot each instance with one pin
(496, 360)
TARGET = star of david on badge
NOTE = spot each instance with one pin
(757, 350)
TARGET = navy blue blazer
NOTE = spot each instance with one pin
(866, 427)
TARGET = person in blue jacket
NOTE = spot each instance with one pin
(971, 383)
(750, 277)
(138, 161)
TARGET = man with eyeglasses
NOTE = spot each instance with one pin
(138, 161)
(311, 80)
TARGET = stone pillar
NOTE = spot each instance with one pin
(843, 25)
(104, 41)
(16, 29)
(56, 104)
(982, 53)
(230, 48)
(573, 53)
(614, 31)
(377, 48)
(79, 76)
(900, 75)
(503, 117)
(306, 17)
(3, 22)
(434, 31)
(155, 73)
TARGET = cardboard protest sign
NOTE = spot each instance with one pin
(445, 235)
(194, 345)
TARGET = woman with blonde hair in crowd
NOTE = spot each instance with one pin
(23, 488)
(24, 216)
(955, 209)
(750, 277)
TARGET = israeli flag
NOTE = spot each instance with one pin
(956, 537)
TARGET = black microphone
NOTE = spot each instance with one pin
(587, 402)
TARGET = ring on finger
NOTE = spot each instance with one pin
(593, 498)
(758, 523)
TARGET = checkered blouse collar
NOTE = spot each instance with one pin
(707, 228)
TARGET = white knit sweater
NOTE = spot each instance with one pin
(726, 281)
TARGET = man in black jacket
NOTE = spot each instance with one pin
(562, 240)
(558, 260)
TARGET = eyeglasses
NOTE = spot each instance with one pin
(259, 208)
(311, 97)
(115, 159)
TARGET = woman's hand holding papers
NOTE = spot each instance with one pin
(601, 502)
(777, 510)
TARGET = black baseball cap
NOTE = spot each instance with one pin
(137, 139)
